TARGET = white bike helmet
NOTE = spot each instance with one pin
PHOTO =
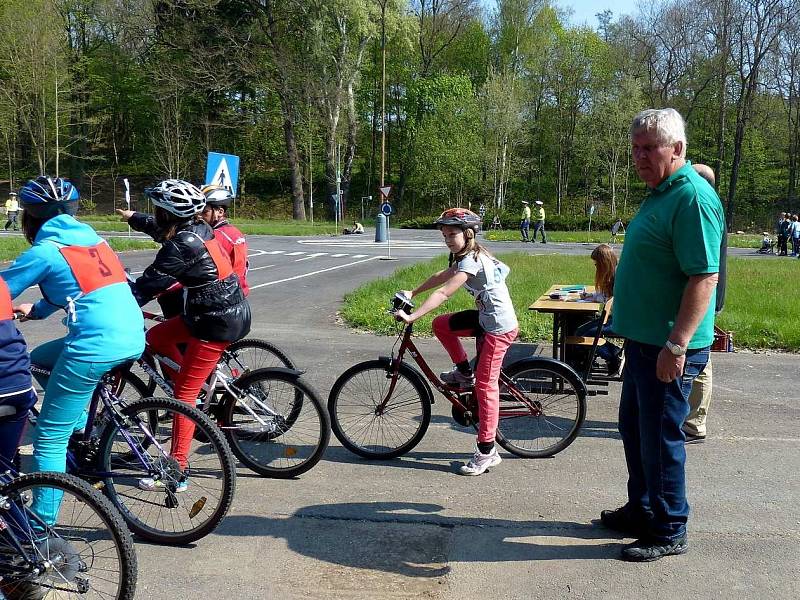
(217, 195)
(178, 197)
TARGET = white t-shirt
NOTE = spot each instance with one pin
(487, 284)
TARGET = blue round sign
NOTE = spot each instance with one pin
(386, 209)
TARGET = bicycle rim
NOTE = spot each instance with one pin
(164, 513)
(276, 425)
(549, 417)
(248, 355)
(368, 431)
(85, 551)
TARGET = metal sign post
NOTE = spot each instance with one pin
(128, 200)
(591, 212)
(387, 210)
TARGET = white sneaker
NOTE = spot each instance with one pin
(457, 378)
(149, 484)
(481, 463)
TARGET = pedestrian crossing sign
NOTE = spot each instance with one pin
(222, 170)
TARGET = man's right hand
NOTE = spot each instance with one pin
(125, 214)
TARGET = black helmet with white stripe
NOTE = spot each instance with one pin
(178, 197)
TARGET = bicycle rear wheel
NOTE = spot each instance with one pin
(276, 423)
(372, 433)
(544, 412)
(250, 354)
(87, 552)
(185, 503)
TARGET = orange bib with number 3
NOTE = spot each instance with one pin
(221, 260)
(6, 310)
(94, 267)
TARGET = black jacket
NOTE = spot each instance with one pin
(214, 309)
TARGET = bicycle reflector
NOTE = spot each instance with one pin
(401, 302)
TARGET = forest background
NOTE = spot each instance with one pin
(486, 102)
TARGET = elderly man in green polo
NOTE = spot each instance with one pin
(664, 298)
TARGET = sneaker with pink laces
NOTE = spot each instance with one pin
(480, 463)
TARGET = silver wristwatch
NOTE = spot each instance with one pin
(675, 348)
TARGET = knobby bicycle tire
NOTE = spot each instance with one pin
(189, 507)
(273, 355)
(290, 442)
(68, 548)
(555, 391)
(352, 404)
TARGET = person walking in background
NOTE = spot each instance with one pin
(694, 427)
(784, 233)
(779, 229)
(539, 222)
(12, 211)
(525, 223)
(794, 235)
(617, 229)
(666, 313)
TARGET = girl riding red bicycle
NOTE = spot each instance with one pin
(493, 324)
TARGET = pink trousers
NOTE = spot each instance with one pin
(491, 350)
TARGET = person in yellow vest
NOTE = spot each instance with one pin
(539, 222)
(525, 223)
(12, 210)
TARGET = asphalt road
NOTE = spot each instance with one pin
(412, 528)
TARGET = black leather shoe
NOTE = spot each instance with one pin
(624, 520)
(648, 550)
(694, 439)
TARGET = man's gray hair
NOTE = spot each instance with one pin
(666, 123)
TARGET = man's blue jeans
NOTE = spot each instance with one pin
(651, 414)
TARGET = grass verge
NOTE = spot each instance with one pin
(247, 227)
(11, 247)
(759, 309)
(745, 240)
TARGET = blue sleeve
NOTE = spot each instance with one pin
(30, 268)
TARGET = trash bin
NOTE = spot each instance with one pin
(380, 228)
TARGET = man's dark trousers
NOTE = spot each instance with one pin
(651, 414)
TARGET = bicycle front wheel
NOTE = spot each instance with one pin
(86, 552)
(544, 411)
(250, 354)
(165, 499)
(368, 427)
(276, 423)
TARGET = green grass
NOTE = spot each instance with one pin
(761, 309)
(11, 247)
(246, 226)
(746, 240)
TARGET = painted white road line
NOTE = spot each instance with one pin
(370, 244)
(256, 253)
(294, 253)
(259, 268)
(337, 255)
(274, 252)
(253, 287)
(359, 255)
(310, 256)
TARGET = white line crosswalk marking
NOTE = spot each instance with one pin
(337, 255)
(275, 252)
(359, 255)
(310, 256)
(294, 253)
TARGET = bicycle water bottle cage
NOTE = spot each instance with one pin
(401, 302)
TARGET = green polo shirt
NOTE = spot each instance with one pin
(675, 234)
